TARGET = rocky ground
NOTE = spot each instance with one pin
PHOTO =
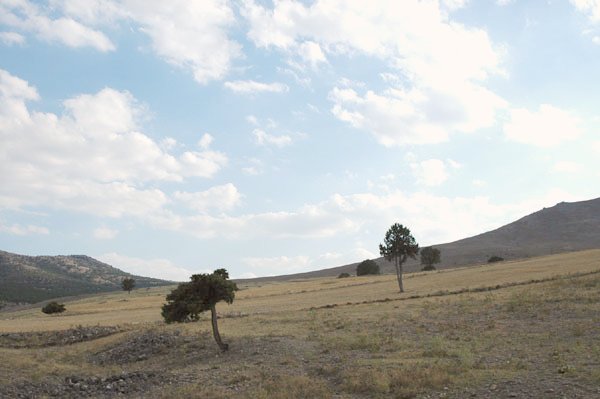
(55, 338)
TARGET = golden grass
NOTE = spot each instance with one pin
(143, 306)
(286, 342)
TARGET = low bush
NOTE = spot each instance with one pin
(495, 258)
(344, 275)
(367, 267)
(53, 307)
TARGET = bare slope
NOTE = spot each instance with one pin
(37, 278)
(562, 228)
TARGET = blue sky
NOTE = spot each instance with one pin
(273, 137)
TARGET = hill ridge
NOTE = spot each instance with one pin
(564, 227)
(28, 279)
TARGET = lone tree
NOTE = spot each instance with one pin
(398, 245)
(495, 258)
(128, 283)
(202, 293)
(367, 267)
(430, 256)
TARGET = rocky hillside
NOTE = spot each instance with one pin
(564, 227)
(32, 279)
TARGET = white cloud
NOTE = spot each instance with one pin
(455, 4)
(105, 233)
(589, 7)
(251, 87)
(547, 127)
(596, 146)
(596, 40)
(263, 138)
(221, 198)
(479, 183)
(431, 172)
(156, 268)
(440, 63)
(192, 35)
(254, 167)
(11, 38)
(567, 167)
(311, 53)
(278, 265)
(205, 141)
(21, 230)
(253, 120)
(28, 17)
(92, 158)
(363, 253)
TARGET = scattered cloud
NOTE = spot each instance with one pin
(589, 7)
(156, 268)
(192, 35)
(252, 87)
(547, 127)
(264, 138)
(277, 265)
(105, 233)
(440, 64)
(311, 53)
(91, 158)
(205, 141)
(11, 38)
(431, 172)
(28, 17)
(254, 167)
(23, 230)
(220, 198)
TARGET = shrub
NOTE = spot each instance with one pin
(53, 307)
(367, 267)
(430, 256)
(495, 258)
(128, 283)
(344, 275)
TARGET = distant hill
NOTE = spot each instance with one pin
(564, 227)
(32, 279)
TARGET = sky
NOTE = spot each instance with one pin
(275, 137)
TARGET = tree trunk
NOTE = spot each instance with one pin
(399, 274)
(215, 328)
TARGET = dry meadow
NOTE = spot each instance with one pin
(526, 328)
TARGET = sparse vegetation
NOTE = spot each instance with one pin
(429, 257)
(367, 267)
(53, 307)
(202, 293)
(520, 328)
(494, 259)
(399, 245)
(344, 275)
(128, 283)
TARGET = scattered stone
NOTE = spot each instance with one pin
(41, 339)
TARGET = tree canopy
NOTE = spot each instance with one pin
(366, 267)
(429, 257)
(128, 283)
(398, 245)
(201, 293)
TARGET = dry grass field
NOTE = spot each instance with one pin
(514, 329)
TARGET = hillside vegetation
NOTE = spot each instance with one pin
(36, 278)
(512, 329)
